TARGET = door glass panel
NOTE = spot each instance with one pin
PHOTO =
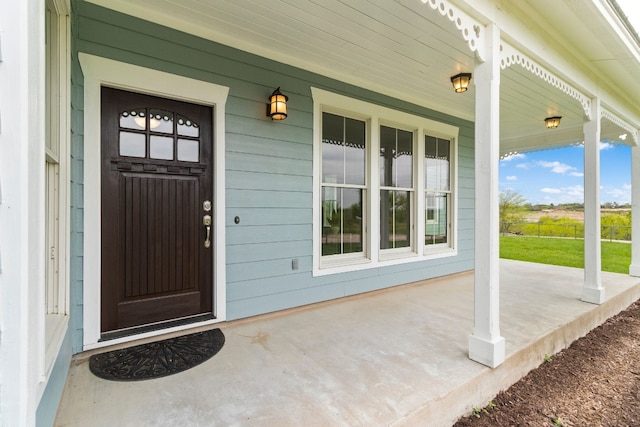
(161, 147)
(187, 127)
(134, 119)
(132, 144)
(188, 150)
(161, 121)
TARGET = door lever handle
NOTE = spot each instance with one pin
(206, 221)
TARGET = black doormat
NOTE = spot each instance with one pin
(157, 359)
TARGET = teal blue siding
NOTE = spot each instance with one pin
(268, 165)
(48, 407)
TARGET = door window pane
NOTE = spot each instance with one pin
(134, 119)
(161, 147)
(342, 223)
(188, 127)
(188, 150)
(132, 144)
(161, 121)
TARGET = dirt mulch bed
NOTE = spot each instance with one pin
(594, 382)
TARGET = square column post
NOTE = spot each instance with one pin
(634, 268)
(486, 346)
(592, 290)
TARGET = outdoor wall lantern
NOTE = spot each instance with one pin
(277, 106)
(552, 122)
(461, 82)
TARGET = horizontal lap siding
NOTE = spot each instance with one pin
(269, 164)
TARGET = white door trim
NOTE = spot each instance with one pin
(100, 71)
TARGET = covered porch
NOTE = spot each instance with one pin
(392, 357)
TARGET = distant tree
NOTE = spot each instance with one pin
(511, 206)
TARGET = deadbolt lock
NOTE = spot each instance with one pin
(206, 205)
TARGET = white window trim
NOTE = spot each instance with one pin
(375, 115)
(55, 325)
(100, 71)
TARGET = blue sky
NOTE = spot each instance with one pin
(557, 176)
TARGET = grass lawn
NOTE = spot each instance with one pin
(616, 257)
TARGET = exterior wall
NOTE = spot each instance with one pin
(48, 406)
(268, 166)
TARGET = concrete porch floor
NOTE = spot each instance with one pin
(394, 357)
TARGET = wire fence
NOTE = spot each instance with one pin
(569, 231)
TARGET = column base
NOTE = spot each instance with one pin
(593, 296)
(634, 270)
(489, 353)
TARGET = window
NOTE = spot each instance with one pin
(56, 174)
(384, 186)
(437, 183)
(343, 184)
(396, 187)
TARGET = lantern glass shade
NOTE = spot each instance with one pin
(552, 122)
(277, 106)
(461, 82)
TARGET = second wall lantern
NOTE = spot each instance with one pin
(277, 106)
(552, 122)
(461, 82)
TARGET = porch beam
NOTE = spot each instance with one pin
(486, 346)
(634, 268)
(592, 291)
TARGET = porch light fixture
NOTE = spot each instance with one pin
(277, 106)
(461, 82)
(552, 122)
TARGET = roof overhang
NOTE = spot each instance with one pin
(409, 50)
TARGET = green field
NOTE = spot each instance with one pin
(616, 257)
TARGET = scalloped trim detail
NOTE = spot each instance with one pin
(471, 30)
(543, 148)
(606, 114)
(510, 56)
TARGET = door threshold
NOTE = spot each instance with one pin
(137, 330)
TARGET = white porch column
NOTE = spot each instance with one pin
(634, 268)
(485, 344)
(592, 290)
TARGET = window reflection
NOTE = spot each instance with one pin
(395, 219)
(342, 223)
(343, 150)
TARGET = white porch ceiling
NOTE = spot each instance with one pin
(404, 49)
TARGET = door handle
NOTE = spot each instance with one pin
(206, 221)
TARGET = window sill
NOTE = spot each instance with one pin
(392, 258)
(55, 326)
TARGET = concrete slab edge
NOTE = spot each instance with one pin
(445, 410)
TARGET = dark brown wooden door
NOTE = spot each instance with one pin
(157, 180)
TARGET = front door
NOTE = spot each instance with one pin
(157, 180)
